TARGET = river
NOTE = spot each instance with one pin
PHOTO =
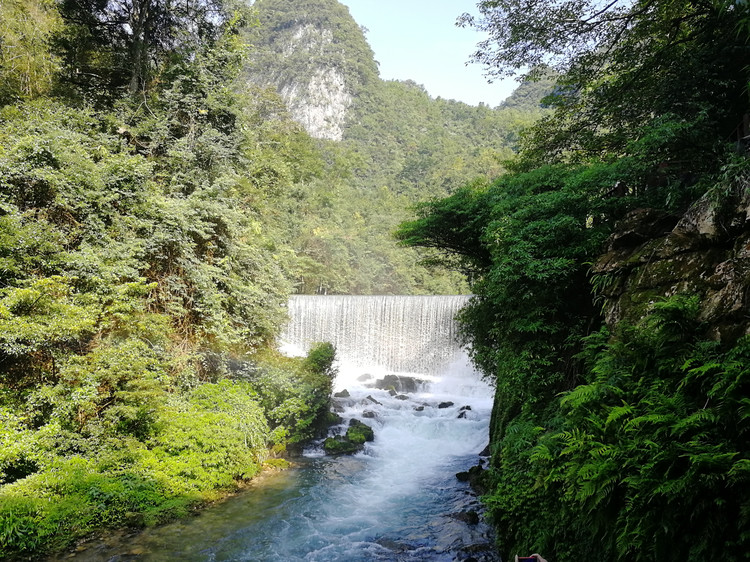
(398, 499)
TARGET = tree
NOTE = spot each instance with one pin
(645, 444)
(120, 44)
(682, 58)
(567, 35)
(28, 67)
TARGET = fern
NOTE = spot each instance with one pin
(618, 413)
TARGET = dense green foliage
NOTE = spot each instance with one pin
(144, 269)
(606, 54)
(626, 443)
(28, 66)
(646, 460)
(526, 239)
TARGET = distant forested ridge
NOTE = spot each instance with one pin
(610, 272)
(387, 145)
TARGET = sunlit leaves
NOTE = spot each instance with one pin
(43, 316)
(28, 64)
(141, 254)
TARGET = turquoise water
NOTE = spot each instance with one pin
(398, 500)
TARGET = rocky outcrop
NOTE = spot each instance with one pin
(321, 104)
(705, 252)
(317, 59)
(340, 445)
(357, 434)
(399, 383)
(319, 98)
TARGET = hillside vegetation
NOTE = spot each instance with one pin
(144, 269)
(397, 146)
(610, 273)
(157, 208)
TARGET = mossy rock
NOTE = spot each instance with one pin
(477, 477)
(359, 432)
(340, 445)
(332, 418)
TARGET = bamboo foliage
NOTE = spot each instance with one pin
(28, 66)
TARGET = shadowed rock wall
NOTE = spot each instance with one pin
(706, 252)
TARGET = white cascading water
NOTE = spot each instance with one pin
(399, 498)
(422, 438)
(396, 334)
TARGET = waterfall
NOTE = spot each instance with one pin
(404, 334)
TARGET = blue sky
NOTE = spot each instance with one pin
(418, 40)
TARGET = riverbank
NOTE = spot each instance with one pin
(202, 443)
(399, 499)
(128, 542)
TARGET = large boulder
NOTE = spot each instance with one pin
(705, 252)
(477, 478)
(357, 434)
(340, 445)
(399, 383)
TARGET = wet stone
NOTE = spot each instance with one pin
(359, 432)
(399, 383)
(470, 517)
(340, 445)
(393, 546)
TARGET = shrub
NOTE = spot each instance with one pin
(652, 449)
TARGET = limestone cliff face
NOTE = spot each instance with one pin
(705, 252)
(321, 105)
(320, 101)
(315, 56)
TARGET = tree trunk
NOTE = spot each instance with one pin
(139, 23)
